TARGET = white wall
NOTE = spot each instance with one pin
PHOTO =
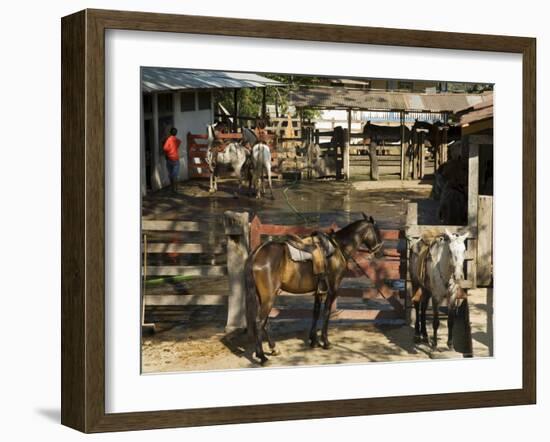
(194, 122)
(185, 122)
(30, 368)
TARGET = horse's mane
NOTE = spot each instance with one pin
(352, 234)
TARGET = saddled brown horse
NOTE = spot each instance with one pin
(270, 270)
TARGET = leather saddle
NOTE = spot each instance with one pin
(422, 249)
(316, 248)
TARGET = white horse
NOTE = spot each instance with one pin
(436, 267)
(261, 164)
(234, 155)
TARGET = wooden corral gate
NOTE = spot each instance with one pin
(184, 263)
(380, 280)
(197, 148)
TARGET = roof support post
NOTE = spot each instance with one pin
(347, 170)
(264, 102)
(402, 162)
(235, 109)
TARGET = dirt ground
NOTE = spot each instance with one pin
(203, 345)
(192, 338)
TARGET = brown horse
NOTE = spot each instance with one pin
(270, 270)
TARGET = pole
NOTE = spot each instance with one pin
(347, 148)
(264, 105)
(402, 163)
(235, 108)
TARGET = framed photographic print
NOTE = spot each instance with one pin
(267, 220)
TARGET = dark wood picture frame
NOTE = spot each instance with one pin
(83, 220)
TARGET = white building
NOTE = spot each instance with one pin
(183, 99)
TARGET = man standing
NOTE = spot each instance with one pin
(171, 150)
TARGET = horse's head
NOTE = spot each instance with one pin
(457, 249)
(371, 239)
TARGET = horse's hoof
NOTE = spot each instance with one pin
(314, 343)
(275, 352)
(327, 345)
(264, 361)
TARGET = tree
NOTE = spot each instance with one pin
(250, 99)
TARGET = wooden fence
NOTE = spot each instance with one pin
(184, 263)
(382, 273)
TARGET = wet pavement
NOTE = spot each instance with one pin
(312, 203)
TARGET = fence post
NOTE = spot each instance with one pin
(237, 231)
(473, 193)
(345, 153)
(373, 161)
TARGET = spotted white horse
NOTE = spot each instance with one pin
(233, 155)
(436, 267)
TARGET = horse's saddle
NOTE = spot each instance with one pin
(422, 249)
(316, 248)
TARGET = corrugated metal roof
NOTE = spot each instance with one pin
(173, 79)
(342, 98)
(478, 112)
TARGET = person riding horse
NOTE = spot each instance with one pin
(249, 139)
(216, 144)
(258, 135)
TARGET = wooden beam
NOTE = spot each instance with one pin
(151, 300)
(237, 229)
(187, 270)
(184, 248)
(417, 231)
(160, 225)
(403, 142)
(485, 241)
(235, 109)
(264, 102)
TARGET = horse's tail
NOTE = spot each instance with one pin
(251, 299)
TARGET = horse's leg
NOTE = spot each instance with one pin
(269, 180)
(268, 286)
(416, 303)
(258, 181)
(331, 296)
(423, 308)
(450, 323)
(435, 309)
(313, 339)
(211, 190)
(271, 342)
(260, 328)
(238, 175)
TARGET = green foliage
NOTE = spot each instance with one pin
(249, 102)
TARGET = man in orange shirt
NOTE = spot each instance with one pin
(171, 150)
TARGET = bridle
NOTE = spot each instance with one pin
(348, 257)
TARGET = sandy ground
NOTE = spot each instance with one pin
(203, 345)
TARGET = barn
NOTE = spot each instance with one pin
(184, 99)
